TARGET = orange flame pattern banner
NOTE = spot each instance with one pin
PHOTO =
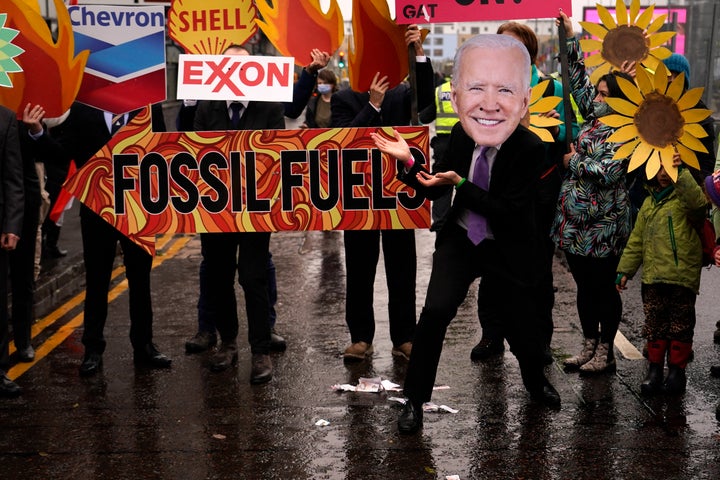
(295, 28)
(95, 184)
(51, 74)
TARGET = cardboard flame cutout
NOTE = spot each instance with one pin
(379, 45)
(209, 28)
(51, 73)
(295, 28)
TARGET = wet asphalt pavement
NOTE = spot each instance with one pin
(189, 423)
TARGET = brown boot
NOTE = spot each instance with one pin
(357, 351)
(603, 361)
(585, 355)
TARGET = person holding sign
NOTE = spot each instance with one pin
(247, 253)
(490, 232)
(381, 106)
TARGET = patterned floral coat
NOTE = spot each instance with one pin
(593, 216)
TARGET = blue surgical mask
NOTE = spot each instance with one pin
(324, 88)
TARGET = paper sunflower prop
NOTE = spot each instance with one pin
(658, 120)
(630, 37)
(539, 105)
(7, 52)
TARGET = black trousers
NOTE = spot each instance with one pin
(362, 253)
(100, 242)
(22, 276)
(456, 264)
(599, 304)
(4, 331)
(217, 284)
(490, 318)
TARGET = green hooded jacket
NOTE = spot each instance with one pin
(664, 240)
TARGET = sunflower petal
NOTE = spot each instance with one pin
(666, 159)
(545, 104)
(642, 153)
(656, 24)
(624, 134)
(644, 82)
(661, 78)
(634, 10)
(606, 18)
(626, 150)
(590, 45)
(544, 122)
(660, 38)
(630, 90)
(645, 18)
(621, 12)
(695, 129)
(676, 88)
(690, 99)
(622, 106)
(693, 143)
(537, 91)
(544, 135)
(695, 115)
(660, 53)
(653, 165)
(594, 60)
(616, 121)
(650, 63)
(594, 29)
(688, 156)
(599, 72)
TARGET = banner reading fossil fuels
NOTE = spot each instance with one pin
(145, 183)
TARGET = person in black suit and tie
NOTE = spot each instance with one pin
(246, 253)
(80, 137)
(490, 232)
(11, 220)
(382, 106)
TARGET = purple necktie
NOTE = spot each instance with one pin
(477, 224)
(236, 108)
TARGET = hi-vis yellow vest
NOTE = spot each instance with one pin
(445, 117)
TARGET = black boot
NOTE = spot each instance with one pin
(653, 381)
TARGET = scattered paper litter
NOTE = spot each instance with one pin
(390, 386)
(399, 400)
(452, 477)
(345, 387)
(371, 385)
(322, 423)
(430, 407)
(368, 385)
(442, 387)
(219, 436)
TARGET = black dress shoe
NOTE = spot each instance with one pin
(488, 347)
(547, 395)
(26, 354)
(8, 388)
(715, 371)
(201, 342)
(54, 251)
(149, 356)
(277, 343)
(410, 420)
(225, 357)
(91, 364)
(261, 371)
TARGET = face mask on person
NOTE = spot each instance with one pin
(600, 109)
(324, 88)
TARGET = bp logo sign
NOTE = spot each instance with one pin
(126, 67)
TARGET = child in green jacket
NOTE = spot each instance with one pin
(665, 242)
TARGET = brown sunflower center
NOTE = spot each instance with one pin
(658, 120)
(626, 42)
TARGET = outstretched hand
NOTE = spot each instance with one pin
(397, 148)
(32, 118)
(319, 60)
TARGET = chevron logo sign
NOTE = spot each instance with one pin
(126, 67)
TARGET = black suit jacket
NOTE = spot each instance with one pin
(508, 204)
(11, 174)
(352, 109)
(213, 115)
